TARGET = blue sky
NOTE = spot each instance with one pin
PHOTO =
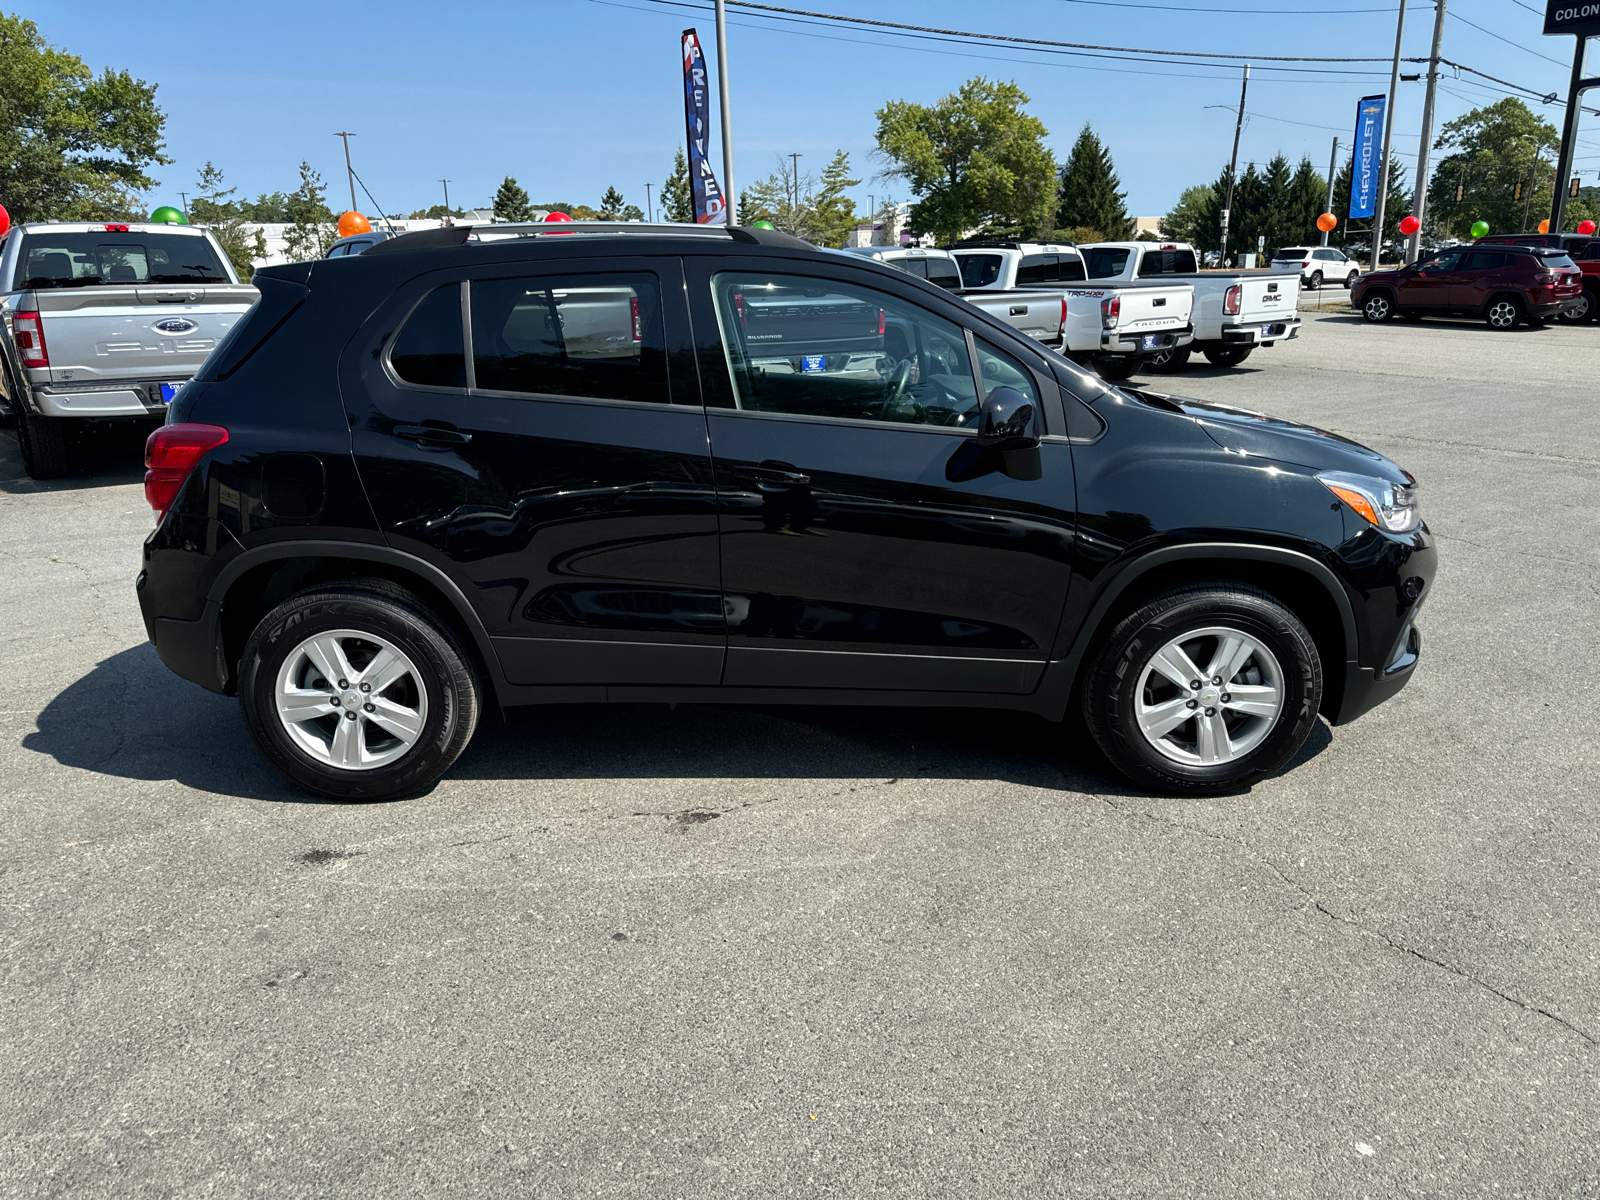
(576, 95)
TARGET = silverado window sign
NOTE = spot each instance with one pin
(1369, 146)
(709, 204)
(1572, 17)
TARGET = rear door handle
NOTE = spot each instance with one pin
(429, 434)
(770, 475)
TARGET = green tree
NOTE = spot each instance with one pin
(212, 206)
(787, 200)
(1491, 151)
(631, 212)
(1088, 194)
(511, 202)
(1278, 224)
(611, 205)
(1308, 191)
(1186, 221)
(677, 193)
(973, 158)
(1395, 207)
(311, 226)
(436, 213)
(833, 214)
(72, 145)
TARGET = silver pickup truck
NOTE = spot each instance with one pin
(105, 322)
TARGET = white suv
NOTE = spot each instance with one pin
(936, 266)
(1317, 264)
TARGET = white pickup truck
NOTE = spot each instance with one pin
(1039, 289)
(1234, 311)
(105, 322)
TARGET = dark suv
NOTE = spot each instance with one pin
(1503, 284)
(524, 466)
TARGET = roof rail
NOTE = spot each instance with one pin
(460, 235)
(996, 244)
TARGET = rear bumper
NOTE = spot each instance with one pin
(1115, 341)
(118, 398)
(1554, 308)
(1261, 335)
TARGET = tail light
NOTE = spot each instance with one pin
(116, 229)
(1305, 264)
(28, 333)
(633, 313)
(1110, 311)
(1230, 300)
(1063, 312)
(880, 322)
(738, 305)
(170, 454)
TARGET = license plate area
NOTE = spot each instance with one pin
(1149, 342)
(168, 391)
(813, 362)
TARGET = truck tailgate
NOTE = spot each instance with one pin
(144, 331)
(1033, 314)
(1264, 298)
(1146, 308)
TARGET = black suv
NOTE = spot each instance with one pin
(623, 463)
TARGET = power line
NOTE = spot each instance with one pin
(1457, 16)
(1261, 12)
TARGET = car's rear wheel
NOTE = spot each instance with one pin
(1116, 367)
(358, 691)
(1315, 282)
(1503, 313)
(43, 442)
(1227, 356)
(1167, 362)
(1582, 312)
(1205, 688)
(1377, 307)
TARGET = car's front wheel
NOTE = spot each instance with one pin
(1377, 307)
(1204, 688)
(1350, 280)
(358, 691)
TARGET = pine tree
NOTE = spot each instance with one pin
(833, 214)
(226, 219)
(1089, 195)
(511, 202)
(1308, 191)
(677, 193)
(311, 230)
(631, 212)
(611, 205)
(1278, 224)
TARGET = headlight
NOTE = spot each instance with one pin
(1391, 506)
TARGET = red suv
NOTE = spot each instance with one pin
(1583, 250)
(1503, 284)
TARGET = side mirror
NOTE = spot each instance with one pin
(1007, 421)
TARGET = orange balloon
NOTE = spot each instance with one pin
(352, 223)
(1544, 225)
(1327, 222)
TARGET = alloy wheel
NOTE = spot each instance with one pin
(1218, 713)
(1376, 308)
(351, 700)
(1502, 314)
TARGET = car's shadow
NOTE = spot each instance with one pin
(132, 718)
(102, 455)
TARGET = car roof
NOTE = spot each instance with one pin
(597, 236)
(110, 226)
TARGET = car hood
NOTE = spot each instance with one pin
(1240, 431)
(1382, 276)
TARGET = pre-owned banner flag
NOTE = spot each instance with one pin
(1369, 147)
(709, 204)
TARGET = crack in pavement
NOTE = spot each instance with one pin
(1375, 934)
(1454, 445)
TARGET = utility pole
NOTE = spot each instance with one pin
(650, 209)
(729, 195)
(349, 170)
(184, 196)
(795, 210)
(1388, 135)
(447, 219)
(1333, 167)
(1569, 128)
(1233, 171)
(1419, 199)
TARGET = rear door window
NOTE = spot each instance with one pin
(598, 336)
(1484, 260)
(65, 260)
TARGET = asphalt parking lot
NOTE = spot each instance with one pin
(751, 952)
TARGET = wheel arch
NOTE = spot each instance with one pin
(255, 582)
(1307, 587)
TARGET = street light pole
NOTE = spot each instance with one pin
(1388, 135)
(1233, 170)
(650, 209)
(184, 196)
(349, 170)
(1333, 166)
(794, 212)
(729, 195)
(447, 219)
(1419, 201)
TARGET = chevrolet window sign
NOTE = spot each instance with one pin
(1572, 16)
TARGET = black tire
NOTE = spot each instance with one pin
(1116, 683)
(43, 442)
(1585, 310)
(1378, 307)
(1503, 313)
(1116, 367)
(1315, 282)
(1227, 356)
(1350, 280)
(1169, 362)
(445, 670)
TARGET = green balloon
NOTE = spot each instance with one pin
(763, 225)
(167, 215)
(1480, 229)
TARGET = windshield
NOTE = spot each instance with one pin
(64, 260)
(1105, 263)
(979, 270)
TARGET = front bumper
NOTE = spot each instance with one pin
(1116, 341)
(1387, 578)
(1263, 334)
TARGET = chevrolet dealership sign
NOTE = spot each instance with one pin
(1580, 17)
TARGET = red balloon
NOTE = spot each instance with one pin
(1584, 227)
(1409, 225)
(5, 220)
(557, 216)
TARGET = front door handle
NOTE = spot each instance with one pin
(770, 475)
(431, 435)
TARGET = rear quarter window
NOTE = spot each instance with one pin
(1107, 262)
(943, 272)
(979, 270)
